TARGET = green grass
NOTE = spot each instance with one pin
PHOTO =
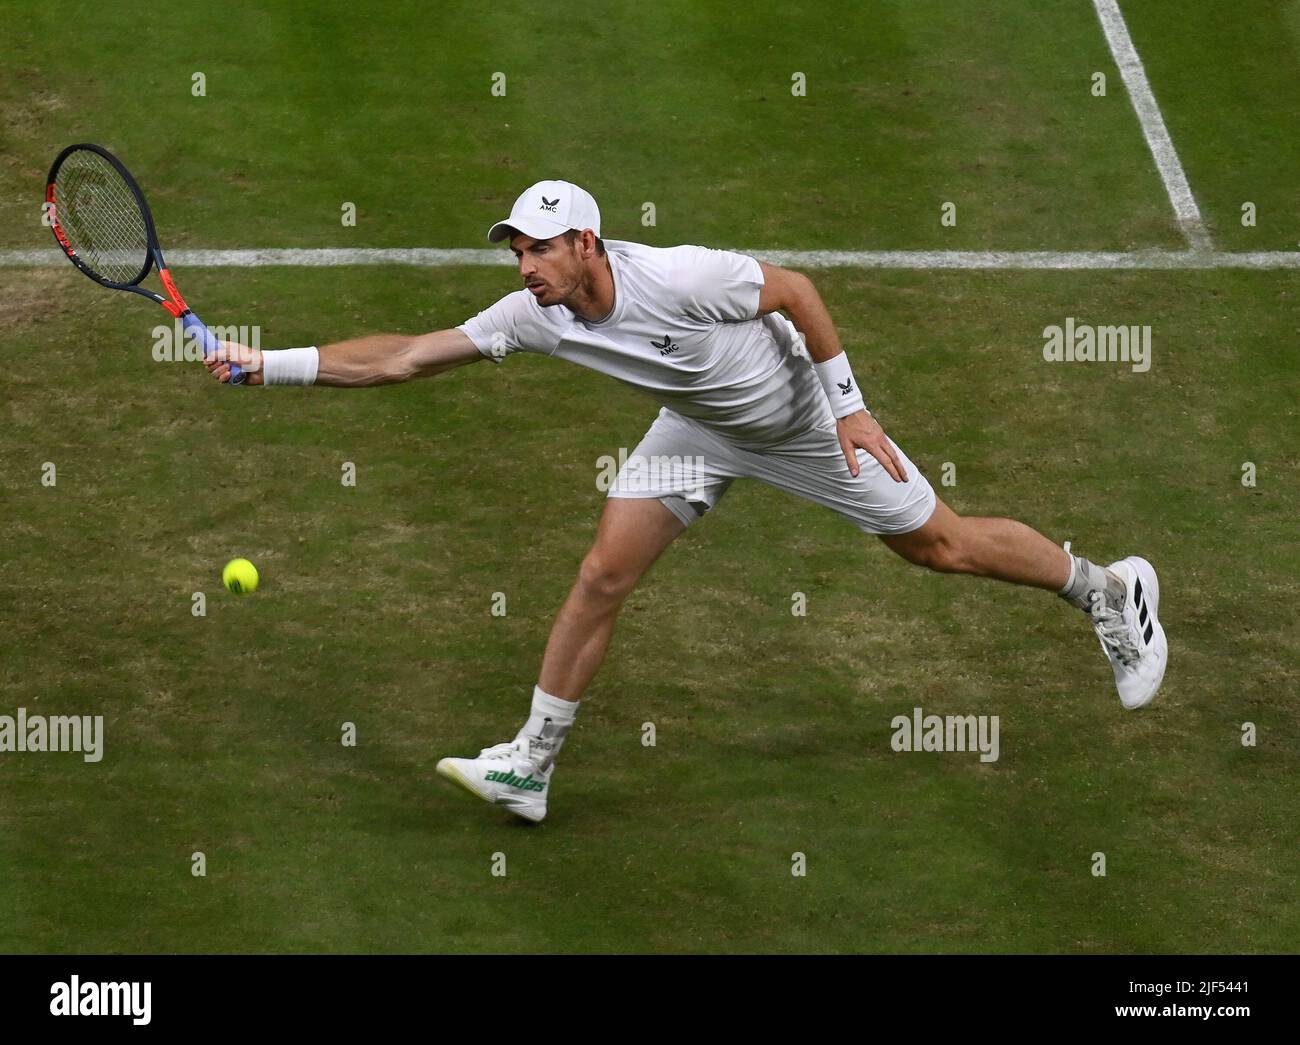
(908, 106)
(773, 731)
(222, 732)
(1230, 118)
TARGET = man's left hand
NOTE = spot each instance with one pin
(860, 430)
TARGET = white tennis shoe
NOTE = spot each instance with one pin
(1131, 637)
(505, 775)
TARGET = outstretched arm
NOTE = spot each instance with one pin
(381, 359)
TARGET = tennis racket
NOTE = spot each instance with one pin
(102, 223)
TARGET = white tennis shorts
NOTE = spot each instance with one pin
(688, 467)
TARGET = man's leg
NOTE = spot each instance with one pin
(1123, 599)
(633, 532)
(986, 547)
(517, 774)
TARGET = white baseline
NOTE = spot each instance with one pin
(432, 257)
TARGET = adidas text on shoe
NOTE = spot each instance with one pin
(505, 775)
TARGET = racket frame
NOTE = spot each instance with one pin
(173, 303)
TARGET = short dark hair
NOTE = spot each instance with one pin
(572, 235)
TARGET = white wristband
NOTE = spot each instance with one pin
(838, 384)
(290, 366)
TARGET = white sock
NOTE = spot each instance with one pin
(1085, 579)
(548, 725)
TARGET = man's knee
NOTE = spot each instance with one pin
(603, 577)
(944, 551)
(946, 554)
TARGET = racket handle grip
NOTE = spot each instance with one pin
(194, 328)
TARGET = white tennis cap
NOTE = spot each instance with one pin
(548, 209)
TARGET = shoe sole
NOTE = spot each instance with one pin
(1151, 583)
(450, 772)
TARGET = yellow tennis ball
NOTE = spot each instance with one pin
(240, 576)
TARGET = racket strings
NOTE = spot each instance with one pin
(101, 217)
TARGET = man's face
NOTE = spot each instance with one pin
(551, 268)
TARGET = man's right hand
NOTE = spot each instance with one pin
(218, 363)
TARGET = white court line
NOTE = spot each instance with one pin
(1201, 256)
(1153, 124)
(427, 257)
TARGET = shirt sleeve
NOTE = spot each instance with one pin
(718, 285)
(503, 328)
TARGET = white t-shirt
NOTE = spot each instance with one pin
(684, 331)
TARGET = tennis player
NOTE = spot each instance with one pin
(752, 381)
